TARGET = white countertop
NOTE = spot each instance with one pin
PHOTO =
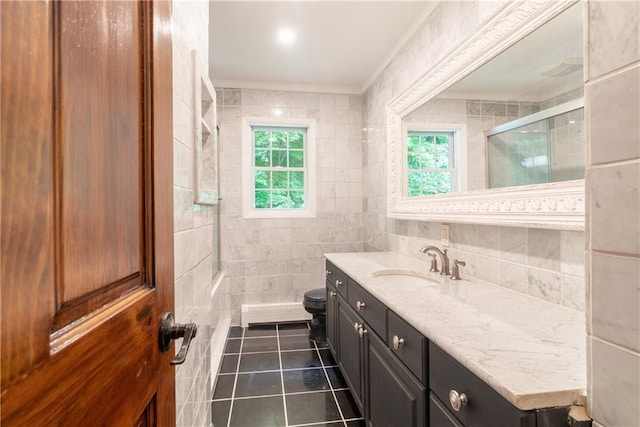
(530, 351)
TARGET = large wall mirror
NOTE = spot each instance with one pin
(494, 133)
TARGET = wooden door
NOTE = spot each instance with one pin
(87, 223)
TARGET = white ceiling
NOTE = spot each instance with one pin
(341, 46)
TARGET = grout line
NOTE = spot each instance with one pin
(235, 381)
(326, 375)
(284, 400)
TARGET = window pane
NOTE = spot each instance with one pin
(296, 159)
(425, 183)
(297, 199)
(296, 139)
(279, 158)
(261, 138)
(263, 179)
(280, 180)
(296, 179)
(262, 158)
(280, 199)
(263, 199)
(279, 139)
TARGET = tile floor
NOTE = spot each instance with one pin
(272, 375)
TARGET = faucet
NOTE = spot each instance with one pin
(444, 259)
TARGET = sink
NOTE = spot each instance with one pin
(404, 277)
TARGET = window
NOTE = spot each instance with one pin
(432, 162)
(279, 168)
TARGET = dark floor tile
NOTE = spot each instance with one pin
(233, 345)
(229, 364)
(259, 362)
(260, 331)
(336, 378)
(300, 359)
(327, 357)
(347, 404)
(286, 329)
(235, 332)
(258, 384)
(297, 342)
(224, 386)
(258, 412)
(299, 380)
(357, 423)
(311, 408)
(253, 345)
(220, 412)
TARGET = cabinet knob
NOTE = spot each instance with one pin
(361, 331)
(332, 294)
(329, 272)
(360, 305)
(457, 400)
(397, 342)
(338, 282)
(356, 326)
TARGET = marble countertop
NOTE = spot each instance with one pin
(530, 351)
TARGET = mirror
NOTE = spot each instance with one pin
(493, 134)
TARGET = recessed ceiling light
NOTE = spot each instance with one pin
(286, 36)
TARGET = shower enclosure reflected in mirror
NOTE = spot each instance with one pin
(547, 146)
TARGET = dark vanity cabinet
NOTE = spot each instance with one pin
(400, 379)
(387, 392)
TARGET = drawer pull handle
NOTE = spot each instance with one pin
(332, 294)
(338, 282)
(360, 305)
(329, 272)
(397, 342)
(356, 326)
(457, 400)
(361, 331)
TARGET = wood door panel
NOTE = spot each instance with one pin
(87, 226)
(100, 132)
(99, 385)
(27, 251)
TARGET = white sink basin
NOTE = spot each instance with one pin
(404, 277)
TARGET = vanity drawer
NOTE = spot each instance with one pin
(484, 407)
(368, 307)
(439, 415)
(408, 344)
(337, 279)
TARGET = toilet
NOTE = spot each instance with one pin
(315, 302)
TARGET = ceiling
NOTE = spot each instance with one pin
(340, 46)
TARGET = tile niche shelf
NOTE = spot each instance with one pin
(205, 137)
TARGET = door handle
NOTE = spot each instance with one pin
(169, 330)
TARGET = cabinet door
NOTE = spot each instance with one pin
(394, 397)
(350, 349)
(332, 313)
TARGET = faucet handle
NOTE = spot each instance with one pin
(434, 263)
(455, 273)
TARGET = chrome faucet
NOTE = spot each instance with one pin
(444, 259)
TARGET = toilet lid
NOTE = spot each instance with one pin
(315, 299)
(315, 295)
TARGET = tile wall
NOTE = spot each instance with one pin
(195, 226)
(613, 195)
(548, 264)
(277, 260)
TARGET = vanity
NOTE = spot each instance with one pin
(420, 349)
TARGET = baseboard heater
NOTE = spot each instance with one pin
(271, 313)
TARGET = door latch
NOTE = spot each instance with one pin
(169, 330)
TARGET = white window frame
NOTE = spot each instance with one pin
(459, 155)
(248, 209)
